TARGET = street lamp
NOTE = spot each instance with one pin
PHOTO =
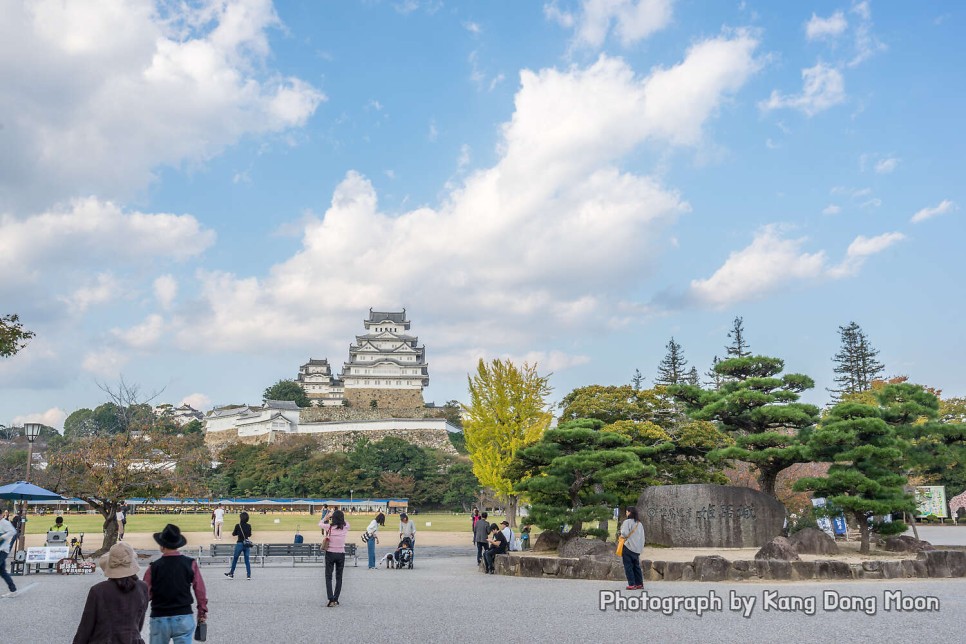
(31, 431)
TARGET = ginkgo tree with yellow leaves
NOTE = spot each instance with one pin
(507, 411)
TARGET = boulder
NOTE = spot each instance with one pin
(586, 547)
(944, 563)
(713, 568)
(774, 569)
(892, 569)
(593, 568)
(805, 569)
(905, 543)
(778, 548)
(812, 541)
(547, 541)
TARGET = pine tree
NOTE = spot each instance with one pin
(715, 380)
(739, 347)
(856, 363)
(671, 371)
(637, 380)
(692, 377)
(867, 460)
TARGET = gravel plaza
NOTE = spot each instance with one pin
(444, 598)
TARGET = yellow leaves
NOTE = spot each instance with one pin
(507, 411)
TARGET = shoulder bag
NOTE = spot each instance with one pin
(324, 546)
(245, 540)
(621, 540)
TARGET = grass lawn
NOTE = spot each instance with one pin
(287, 522)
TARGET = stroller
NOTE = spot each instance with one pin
(403, 557)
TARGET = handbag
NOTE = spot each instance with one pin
(366, 536)
(324, 546)
(622, 539)
(201, 632)
(245, 540)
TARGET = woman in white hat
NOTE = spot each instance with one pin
(115, 608)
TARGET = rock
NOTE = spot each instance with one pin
(585, 547)
(742, 570)
(778, 548)
(593, 568)
(503, 565)
(914, 568)
(774, 569)
(871, 570)
(812, 541)
(673, 570)
(905, 543)
(804, 569)
(551, 565)
(687, 573)
(713, 568)
(659, 567)
(709, 516)
(531, 566)
(944, 563)
(547, 541)
(892, 569)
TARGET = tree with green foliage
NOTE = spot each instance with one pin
(692, 378)
(739, 347)
(867, 459)
(672, 369)
(856, 363)
(759, 409)
(13, 337)
(287, 390)
(507, 411)
(715, 379)
(575, 474)
(610, 404)
(637, 380)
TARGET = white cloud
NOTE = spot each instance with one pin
(433, 132)
(104, 288)
(772, 262)
(630, 20)
(531, 238)
(944, 207)
(885, 166)
(144, 335)
(152, 84)
(473, 27)
(823, 87)
(465, 157)
(818, 28)
(89, 233)
(165, 290)
(201, 402)
(104, 363)
(831, 209)
(768, 263)
(860, 249)
(866, 43)
(53, 417)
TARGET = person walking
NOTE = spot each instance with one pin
(480, 533)
(121, 519)
(243, 532)
(633, 533)
(8, 536)
(407, 528)
(373, 539)
(171, 578)
(219, 519)
(116, 607)
(335, 531)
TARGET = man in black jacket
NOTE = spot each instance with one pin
(170, 580)
(480, 532)
(498, 546)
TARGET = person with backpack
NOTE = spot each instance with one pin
(480, 533)
(632, 533)
(171, 578)
(243, 531)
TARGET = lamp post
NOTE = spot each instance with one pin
(31, 431)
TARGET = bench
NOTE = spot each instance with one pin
(299, 552)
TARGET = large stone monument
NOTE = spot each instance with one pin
(709, 516)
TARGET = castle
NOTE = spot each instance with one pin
(379, 393)
(385, 365)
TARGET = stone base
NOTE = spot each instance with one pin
(932, 564)
(385, 398)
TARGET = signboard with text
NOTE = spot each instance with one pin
(39, 555)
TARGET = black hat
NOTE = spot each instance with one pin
(504, 523)
(170, 537)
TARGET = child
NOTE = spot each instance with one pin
(525, 537)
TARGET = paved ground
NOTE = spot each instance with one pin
(445, 599)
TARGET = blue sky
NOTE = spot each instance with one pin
(201, 196)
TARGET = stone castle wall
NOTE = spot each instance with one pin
(336, 441)
(349, 414)
(385, 398)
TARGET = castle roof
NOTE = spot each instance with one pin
(281, 404)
